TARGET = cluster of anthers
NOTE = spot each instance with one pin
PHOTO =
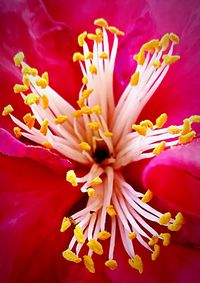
(104, 138)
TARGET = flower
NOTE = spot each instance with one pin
(103, 165)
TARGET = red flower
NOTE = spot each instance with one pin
(34, 194)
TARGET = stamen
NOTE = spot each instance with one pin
(99, 136)
(71, 177)
(156, 252)
(69, 255)
(95, 246)
(17, 132)
(20, 88)
(18, 58)
(103, 235)
(7, 110)
(66, 223)
(89, 263)
(111, 263)
(78, 233)
(136, 263)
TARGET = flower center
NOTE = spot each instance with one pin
(101, 153)
(105, 137)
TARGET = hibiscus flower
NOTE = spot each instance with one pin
(100, 144)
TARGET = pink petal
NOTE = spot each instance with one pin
(174, 177)
(10, 146)
(33, 203)
(176, 263)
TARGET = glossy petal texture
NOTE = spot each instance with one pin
(12, 147)
(178, 181)
(32, 206)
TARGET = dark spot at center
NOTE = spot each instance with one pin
(101, 154)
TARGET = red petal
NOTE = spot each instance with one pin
(12, 147)
(174, 177)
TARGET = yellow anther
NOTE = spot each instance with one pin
(18, 58)
(103, 235)
(174, 38)
(153, 241)
(45, 101)
(161, 120)
(186, 127)
(156, 64)
(71, 178)
(26, 80)
(178, 223)
(86, 110)
(147, 123)
(195, 119)
(94, 37)
(170, 59)
(45, 76)
(103, 55)
(136, 263)
(66, 223)
(60, 119)
(140, 129)
(116, 31)
(7, 109)
(91, 192)
(140, 57)
(166, 238)
(165, 218)
(159, 148)
(19, 88)
(96, 109)
(81, 38)
(71, 256)
(147, 196)
(93, 69)
(132, 235)
(78, 233)
(108, 134)
(17, 132)
(86, 93)
(77, 113)
(26, 70)
(29, 120)
(81, 102)
(101, 23)
(85, 146)
(164, 42)
(44, 127)
(41, 82)
(89, 55)
(85, 80)
(186, 138)
(174, 130)
(111, 211)
(78, 57)
(135, 79)
(99, 32)
(151, 45)
(94, 126)
(89, 263)
(156, 252)
(47, 144)
(111, 263)
(95, 246)
(31, 98)
(96, 181)
(33, 72)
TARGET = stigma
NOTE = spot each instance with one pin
(104, 137)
